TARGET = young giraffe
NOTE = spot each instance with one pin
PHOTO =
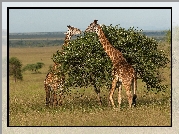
(122, 71)
(52, 81)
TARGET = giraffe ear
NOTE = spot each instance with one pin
(68, 26)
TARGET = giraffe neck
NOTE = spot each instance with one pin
(114, 54)
(67, 40)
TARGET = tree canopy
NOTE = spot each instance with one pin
(34, 67)
(15, 66)
(85, 62)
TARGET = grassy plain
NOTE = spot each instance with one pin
(27, 100)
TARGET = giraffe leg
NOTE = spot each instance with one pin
(119, 95)
(129, 94)
(112, 91)
(134, 87)
(47, 95)
(51, 96)
(60, 99)
(55, 99)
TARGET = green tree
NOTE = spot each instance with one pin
(85, 62)
(34, 67)
(15, 68)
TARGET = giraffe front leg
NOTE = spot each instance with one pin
(112, 91)
(47, 95)
(129, 96)
(119, 95)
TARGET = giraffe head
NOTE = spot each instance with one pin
(93, 27)
(72, 31)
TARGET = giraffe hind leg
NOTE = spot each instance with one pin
(134, 100)
(129, 94)
(55, 102)
(119, 94)
(112, 91)
(134, 94)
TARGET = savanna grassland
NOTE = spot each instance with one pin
(27, 100)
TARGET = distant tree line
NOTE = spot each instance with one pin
(44, 39)
(37, 35)
(35, 43)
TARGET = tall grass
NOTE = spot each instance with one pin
(80, 108)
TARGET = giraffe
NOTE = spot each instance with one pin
(122, 71)
(53, 84)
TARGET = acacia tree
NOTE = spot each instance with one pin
(85, 62)
(15, 68)
(34, 67)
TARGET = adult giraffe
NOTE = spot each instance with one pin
(122, 70)
(54, 81)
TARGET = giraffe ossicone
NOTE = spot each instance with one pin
(122, 70)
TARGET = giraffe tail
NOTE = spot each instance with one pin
(134, 90)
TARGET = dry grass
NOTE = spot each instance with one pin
(27, 101)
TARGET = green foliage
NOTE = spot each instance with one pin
(15, 68)
(35, 43)
(85, 62)
(141, 52)
(33, 67)
(50, 68)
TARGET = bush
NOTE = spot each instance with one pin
(85, 62)
(33, 67)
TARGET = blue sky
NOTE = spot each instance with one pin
(50, 20)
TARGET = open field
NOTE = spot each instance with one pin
(27, 100)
